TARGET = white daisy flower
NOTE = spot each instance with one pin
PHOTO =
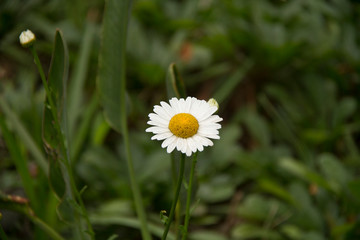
(186, 125)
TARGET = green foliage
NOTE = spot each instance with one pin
(284, 72)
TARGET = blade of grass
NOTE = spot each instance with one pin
(229, 85)
(24, 135)
(286, 128)
(83, 129)
(77, 82)
(112, 85)
(20, 162)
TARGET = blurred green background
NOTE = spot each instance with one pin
(286, 76)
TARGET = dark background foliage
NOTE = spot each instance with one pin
(285, 74)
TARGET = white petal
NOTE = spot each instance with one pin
(174, 104)
(187, 107)
(157, 118)
(167, 108)
(207, 131)
(188, 151)
(181, 104)
(184, 145)
(191, 144)
(161, 136)
(213, 136)
(212, 119)
(210, 125)
(162, 113)
(157, 130)
(208, 142)
(200, 110)
(171, 146)
(179, 144)
(204, 141)
(199, 142)
(208, 112)
(168, 141)
(154, 123)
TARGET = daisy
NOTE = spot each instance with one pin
(185, 124)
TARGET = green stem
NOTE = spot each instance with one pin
(188, 200)
(176, 196)
(178, 206)
(46, 228)
(135, 187)
(74, 192)
(139, 205)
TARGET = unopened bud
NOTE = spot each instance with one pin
(213, 102)
(27, 38)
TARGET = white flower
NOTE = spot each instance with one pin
(27, 38)
(185, 125)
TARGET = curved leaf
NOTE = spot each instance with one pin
(111, 76)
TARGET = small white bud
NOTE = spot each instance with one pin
(213, 102)
(27, 38)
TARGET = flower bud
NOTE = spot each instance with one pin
(27, 38)
(213, 102)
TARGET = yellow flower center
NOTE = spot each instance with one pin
(183, 125)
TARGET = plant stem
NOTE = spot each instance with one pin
(188, 200)
(176, 196)
(46, 228)
(135, 188)
(125, 5)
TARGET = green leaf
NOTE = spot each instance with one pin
(275, 189)
(224, 152)
(56, 179)
(303, 172)
(57, 80)
(249, 231)
(257, 208)
(257, 126)
(174, 84)
(219, 188)
(346, 107)
(207, 235)
(307, 215)
(333, 170)
(53, 128)
(111, 77)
